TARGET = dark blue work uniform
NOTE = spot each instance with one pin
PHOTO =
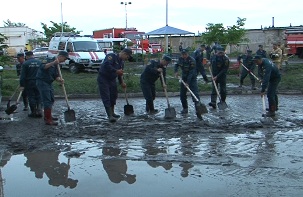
(107, 79)
(24, 95)
(45, 79)
(248, 63)
(271, 77)
(199, 55)
(189, 76)
(262, 53)
(219, 67)
(28, 80)
(148, 78)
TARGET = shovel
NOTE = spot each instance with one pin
(221, 105)
(265, 120)
(251, 73)
(200, 108)
(69, 115)
(170, 112)
(13, 108)
(10, 99)
(128, 109)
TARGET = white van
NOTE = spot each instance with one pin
(84, 51)
(112, 44)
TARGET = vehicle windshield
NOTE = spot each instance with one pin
(105, 45)
(86, 46)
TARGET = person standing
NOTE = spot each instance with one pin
(250, 65)
(28, 83)
(148, 78)
(261, 52)
(46, 75)
(189, 76)
(276, 55)
(219, 65)
(180, 47)
(271, 77)
(21, 60)
(199, 55)
(111, 69)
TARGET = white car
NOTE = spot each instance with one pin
(40, 52)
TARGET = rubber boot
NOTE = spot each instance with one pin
(185, 107)
(38, 111)
(241, 84)
(25, 103)
(271, 112)
(146, 107)
(48, 117)
(213, 101)
(205, 79)
(151, 107)
(253, 85)
(113, 113)
(33, 111)
(110, 115)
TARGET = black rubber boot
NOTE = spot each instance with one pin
(38, 111)
(33, 111)
(185, 107)
(253, 85)
(151, 107)
(25, 103)
(113, 113)
(146, 107)
(110, 115)
(271, 112)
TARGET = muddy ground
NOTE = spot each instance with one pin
(228, 153)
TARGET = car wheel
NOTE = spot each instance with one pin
(73, 68)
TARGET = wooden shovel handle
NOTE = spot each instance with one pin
(191, 92)
(164, 87)
(63, 86)
(125, 95)
(215, 85)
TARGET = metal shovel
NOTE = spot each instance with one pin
(128, 109)
(69, 115)
(13, 108)
(200, 108)
(265, 119)
(170, 112)
(10, 99)
(221, 105)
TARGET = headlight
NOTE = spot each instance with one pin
(83, 61)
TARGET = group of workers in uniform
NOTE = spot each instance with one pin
(190, 67)
(36, 78)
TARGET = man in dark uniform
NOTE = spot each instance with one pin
(189, 76)
(46, 75)
(28, 83)
(219, 66)
(271, 77)
(199, 54)
(148, 78)
(21, 60)
(261, 52)
(180, 47)
(248, 62)
(111, 69)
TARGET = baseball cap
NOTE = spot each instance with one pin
(29, 53)
(64, 53)
(184, 51)
(128, 52)
(249, 51)
(257, 57)
(220, 49)
(167, 58)
(20, 54)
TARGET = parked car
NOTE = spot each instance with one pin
(40, 52)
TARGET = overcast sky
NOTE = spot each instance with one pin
(148, 15)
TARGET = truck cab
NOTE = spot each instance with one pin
(83, 51)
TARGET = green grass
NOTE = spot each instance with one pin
(86, 83)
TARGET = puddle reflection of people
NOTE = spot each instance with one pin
(115, 167)
(187, 148)
(152, 149)
(47, 162)
(5, 156)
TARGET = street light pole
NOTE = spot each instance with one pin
(125, 4)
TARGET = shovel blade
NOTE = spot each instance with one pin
(69, 115)
(201, 108)
(11, 109)
(170, 113)
(222, 105)
(128, 110)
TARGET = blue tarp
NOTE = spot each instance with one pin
(168, 30)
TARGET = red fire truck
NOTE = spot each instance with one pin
(294, 41)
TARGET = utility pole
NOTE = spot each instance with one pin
(125, 4)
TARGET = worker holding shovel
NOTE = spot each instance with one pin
(219, 65)
(46, 75)
(148, 78)
(250, 65)
(189, 77)
(271, 78)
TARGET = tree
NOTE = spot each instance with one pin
(3, 38)
(8, 23)
(225, 35)
(57, 27)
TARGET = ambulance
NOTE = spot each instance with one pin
(84, 51)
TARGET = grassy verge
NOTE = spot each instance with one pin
(85, 83)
